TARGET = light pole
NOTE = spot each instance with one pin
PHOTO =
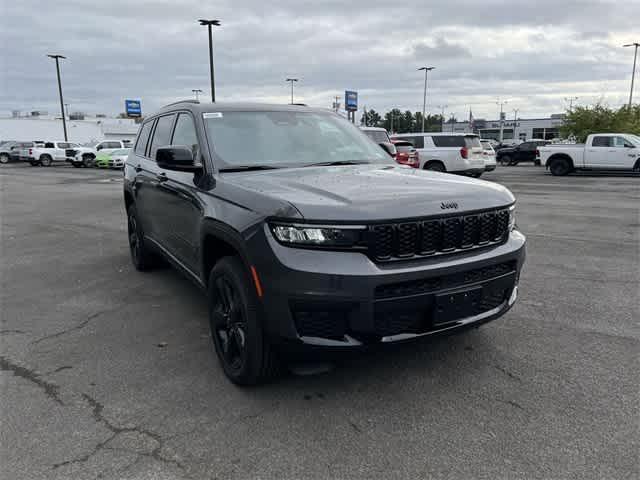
(210, 23)
(442, 107)
(633, 74)
(515, 120)
(570, 100)
(64, 122)
(502, 104)
(452, 120)
(197, 92)
(424, 97)
(291, 80)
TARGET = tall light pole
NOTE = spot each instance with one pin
(442, 107)
(570, 100)
(502, 104)
(452, 119)
(64, 122)
(291, 80)
(424, 97)
(515, 120)
(197, 92)
(633, 74)
(209, 24)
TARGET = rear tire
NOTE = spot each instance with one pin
(46, 160)
(245, 354)
(435, 166)
(142, 257)
(4, 158)
(505, 160)
(559, 167)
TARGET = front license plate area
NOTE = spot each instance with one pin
(450, 307)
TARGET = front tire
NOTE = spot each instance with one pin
(245, 354)
(4, 158)
(142, 257)
(505, 160)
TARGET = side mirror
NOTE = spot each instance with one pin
(178, 158)
(99, 147)
(389, 147)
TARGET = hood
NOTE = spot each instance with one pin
(370, 192)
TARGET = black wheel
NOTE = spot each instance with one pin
(435, 167)
(46, 160)
(87, 160)
(141, 257)
(560, 167)
(636, 167)
(505, 160)
(246, 356)
(4, 158)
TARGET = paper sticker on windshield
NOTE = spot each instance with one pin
(212, 115)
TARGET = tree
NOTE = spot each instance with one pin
(580, 122)
(392, 120)
(373, 118)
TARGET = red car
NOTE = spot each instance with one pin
(406, 153)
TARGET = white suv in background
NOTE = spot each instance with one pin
(448, 152)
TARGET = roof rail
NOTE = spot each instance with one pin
(181, 101)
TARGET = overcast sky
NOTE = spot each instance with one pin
(532, 53)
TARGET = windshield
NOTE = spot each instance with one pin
(377, 136)
(635, 139)
(287, 139)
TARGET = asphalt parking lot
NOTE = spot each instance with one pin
(109, 373)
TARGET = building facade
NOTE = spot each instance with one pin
(520, 129)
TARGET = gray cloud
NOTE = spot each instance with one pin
(535, 53)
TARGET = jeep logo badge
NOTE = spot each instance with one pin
(448, 205)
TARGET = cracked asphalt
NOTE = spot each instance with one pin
(109, 373)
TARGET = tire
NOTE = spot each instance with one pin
(476, 175)
(77, 164)
(34, 163)
(505, 160)
(636, 167)
(87, 160)
(245, 355)
(46, 160)
(559, 167)
(142, 257)
(4, 158)
(435, 166)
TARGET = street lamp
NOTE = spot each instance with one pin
(502, 104)
(64, 122)
(424, 98)
(197, 92)
(442, 107)
(633, 74)
(515, 120)
(291, 80)
(209, 23)
(570, 100)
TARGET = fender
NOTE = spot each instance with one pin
(225, 233)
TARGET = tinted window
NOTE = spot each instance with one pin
(377, 136)
(64, 145)
(601, 141)
(527, 146)
(111, 145)
(471, 141)
(446, 141)
(143, 137)
(417, 142)
(49, 145)
(162, 134)
(185, 132)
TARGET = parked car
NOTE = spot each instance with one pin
(112, 159)
(381, 137)
(309, 239)
(602, 151)
(447, 152)
(406, 153)
(10, 150)
(489, 155)
(524, 152)
(84, 155)
(47, 153)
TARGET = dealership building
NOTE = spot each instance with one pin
(521, 129)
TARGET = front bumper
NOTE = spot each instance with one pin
(344, 300)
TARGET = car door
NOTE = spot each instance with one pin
(597, 155)
(526, 152)
(625, 153)
(181, 205)
(58, 153)
(144, 178)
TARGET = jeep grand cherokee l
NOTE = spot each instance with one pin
(308, 237)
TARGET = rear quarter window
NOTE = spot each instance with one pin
(449, 141)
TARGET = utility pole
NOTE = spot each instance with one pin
(633, 74)
(442, 107)
(570, 100)
(502, 104)
(337, 103)
(515, 120)
(453, 120)
(197, 92)
(209, 24)
(424, 98)
(64, 122)
(291, 80)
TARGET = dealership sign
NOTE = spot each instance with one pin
(350, 101)
(133, 108)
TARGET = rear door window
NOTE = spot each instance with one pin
(143, 138)
(49, 145)
(601, 142)
(162, 134)
(449, 141)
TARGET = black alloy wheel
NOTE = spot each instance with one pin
(229, 324)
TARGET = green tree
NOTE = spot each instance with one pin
(373, 118)
(392, 120)
(583, 121)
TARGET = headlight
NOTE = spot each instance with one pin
(512, 217)
(320, 235)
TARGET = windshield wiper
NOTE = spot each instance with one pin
(337, 162)
(247, 168)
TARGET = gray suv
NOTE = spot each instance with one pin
(308, 238)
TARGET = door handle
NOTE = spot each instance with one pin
(138, 168)
(162, 177)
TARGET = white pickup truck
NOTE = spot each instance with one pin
(602, 151)
(48, 152)
(83, 156)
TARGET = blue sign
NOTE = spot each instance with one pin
(350, 101)
(133, 108)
